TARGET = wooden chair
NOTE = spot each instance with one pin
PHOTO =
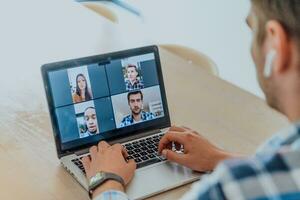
(193, 56)
(102, 10)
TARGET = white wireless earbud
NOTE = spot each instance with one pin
(269, 62)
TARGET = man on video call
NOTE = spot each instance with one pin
(273, 172)
(133, 82)
(90, 119)
(135, 102)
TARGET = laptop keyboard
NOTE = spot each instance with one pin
(143, 151)
(79, 164)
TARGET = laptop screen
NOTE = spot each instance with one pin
(102, 98)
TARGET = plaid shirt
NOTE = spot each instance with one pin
(128, 120)
(137, 85)
(272, 173)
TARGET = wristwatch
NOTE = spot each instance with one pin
(100, 178)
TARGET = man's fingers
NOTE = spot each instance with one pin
(93, 152)
(124, 152)
(177, 128)
(118, 147)
(186, 128)
(170, 137)
(132, 164)
(102, 146)
(86, 161)
(173, 156)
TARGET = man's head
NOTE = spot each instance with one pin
(132, 72)
(91, 119)
(135, 102)
(276, 47)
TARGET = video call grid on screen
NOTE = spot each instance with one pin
(92, 99)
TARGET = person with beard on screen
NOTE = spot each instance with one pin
(135, 102)
(90, 119)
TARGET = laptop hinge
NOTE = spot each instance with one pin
(134, 137)
(122, 140)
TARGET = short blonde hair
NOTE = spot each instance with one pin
(286, 12)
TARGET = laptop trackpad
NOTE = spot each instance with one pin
(157, 178)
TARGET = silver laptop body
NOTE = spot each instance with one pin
(154, 174)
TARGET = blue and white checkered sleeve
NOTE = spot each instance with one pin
(112, 195)
(209, 187)
(281, 138)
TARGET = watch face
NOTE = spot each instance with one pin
(96, 178)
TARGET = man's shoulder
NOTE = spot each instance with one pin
(261, 176)
(287, 136)
(267, 175)
(126, 118)
(239, 168)
(85, 134)
(140, 81)
(148, 114)
(270, 176)
(263, 163)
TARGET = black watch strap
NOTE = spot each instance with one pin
(102, 177)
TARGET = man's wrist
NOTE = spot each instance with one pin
(108, 185)
(224, 155)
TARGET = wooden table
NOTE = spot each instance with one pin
(228, 116)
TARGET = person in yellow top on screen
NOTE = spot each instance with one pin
(133, 81)
(90, 119)
(83, 92)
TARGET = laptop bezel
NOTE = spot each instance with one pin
(137, 129)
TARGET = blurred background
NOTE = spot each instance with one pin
(39, 31)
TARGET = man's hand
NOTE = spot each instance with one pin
(111, 159)
(199, 154)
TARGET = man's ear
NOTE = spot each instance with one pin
(277, 39)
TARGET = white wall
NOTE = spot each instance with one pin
(215, 27)
(34, 32)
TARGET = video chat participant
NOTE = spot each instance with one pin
(83, 92)
(133, 81)
(135, 102)
(90, 119)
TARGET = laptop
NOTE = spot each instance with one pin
(119, 98)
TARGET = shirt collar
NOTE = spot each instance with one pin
(143, 116)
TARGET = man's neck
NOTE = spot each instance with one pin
(291, 106)
(91, 133)
(292, 110)
(133, 81)
(292, 88)
(137, 117)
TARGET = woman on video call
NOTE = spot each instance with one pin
(82, 92)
